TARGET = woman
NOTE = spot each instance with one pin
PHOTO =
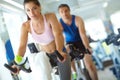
(47, 32)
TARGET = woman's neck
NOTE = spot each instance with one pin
(37, 20)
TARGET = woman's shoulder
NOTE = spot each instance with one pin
(26, 25)
(49, 15)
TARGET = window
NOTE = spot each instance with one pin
(95, 28)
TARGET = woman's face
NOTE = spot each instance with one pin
(32, 10)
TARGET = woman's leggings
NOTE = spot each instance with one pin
(63, 68)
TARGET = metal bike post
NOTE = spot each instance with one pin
(79, 70)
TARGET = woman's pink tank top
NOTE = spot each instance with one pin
(44, 38)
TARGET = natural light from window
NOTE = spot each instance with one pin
(95, 28)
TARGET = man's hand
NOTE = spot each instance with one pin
(90, 50)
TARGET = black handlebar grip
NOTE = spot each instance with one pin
(59, 55)
(14, 70)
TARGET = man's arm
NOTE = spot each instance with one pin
(82, 32)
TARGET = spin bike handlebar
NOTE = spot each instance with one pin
(59, 55)
(14, 70)
(24, 67)
(76, 53)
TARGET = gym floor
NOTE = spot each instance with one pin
(106, 74)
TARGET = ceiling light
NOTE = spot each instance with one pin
(105, 4)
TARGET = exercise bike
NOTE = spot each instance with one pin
(113, 40)
(24, 67)
(78, 56)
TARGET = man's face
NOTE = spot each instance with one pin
(64, 12)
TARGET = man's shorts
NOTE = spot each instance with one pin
(78, 45)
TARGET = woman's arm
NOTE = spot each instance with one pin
(57, 32)
(23, 40)
(22, 47)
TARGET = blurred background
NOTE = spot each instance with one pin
(102, 23)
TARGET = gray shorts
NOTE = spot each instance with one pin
(64, 68)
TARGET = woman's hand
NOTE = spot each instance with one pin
(17, 70)
(64, 55)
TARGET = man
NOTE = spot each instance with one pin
(73, 28)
